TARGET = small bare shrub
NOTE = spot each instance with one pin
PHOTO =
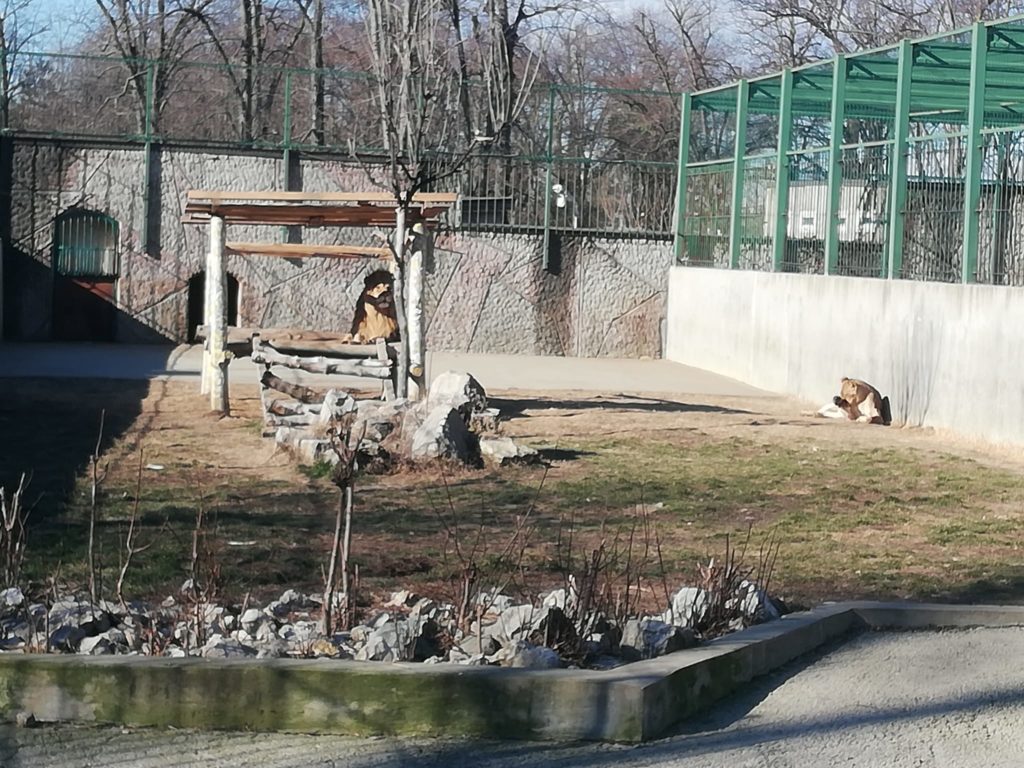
(13, 516)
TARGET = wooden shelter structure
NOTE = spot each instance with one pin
(219, 209)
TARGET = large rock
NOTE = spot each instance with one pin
(503, 451)
(522, 655)
(755, 605)
(460, 391)
(689, 606)
(647, 638)
(444, 435)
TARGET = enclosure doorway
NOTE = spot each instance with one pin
(196, 294)
(86, 265)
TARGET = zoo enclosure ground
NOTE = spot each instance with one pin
(861, 511)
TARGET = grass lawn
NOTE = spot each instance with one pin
(860, 511)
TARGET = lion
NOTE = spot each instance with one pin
(862, 402)
(374, 316)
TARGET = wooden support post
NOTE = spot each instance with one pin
(217, 355)
(414, 312)
(204, 381)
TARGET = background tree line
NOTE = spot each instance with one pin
(219, 64)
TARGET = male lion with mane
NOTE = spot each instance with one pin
(374, 316)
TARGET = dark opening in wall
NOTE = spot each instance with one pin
(86, 263)
(196, 294)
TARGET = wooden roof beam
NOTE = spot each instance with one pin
(421, 198)
(310, 250)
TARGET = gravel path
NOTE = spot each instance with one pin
(890, 699)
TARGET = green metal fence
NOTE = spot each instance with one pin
(903, 162)
(583, 159)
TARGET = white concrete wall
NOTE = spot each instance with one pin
(946, 355)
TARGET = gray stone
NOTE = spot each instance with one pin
(16, 628)
(12, 597)
(754, 604)
(503, 451)
(12, 644)
(477, 644)
(459, 391)
(273, 649)
(95, 646)
(522, 655)
(516, 621)
(486, 420)
(66, 638)
(251, 618)
(647, 638)
(443, 435)
(689, 606)
(222, 648)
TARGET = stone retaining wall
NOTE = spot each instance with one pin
(485, 292)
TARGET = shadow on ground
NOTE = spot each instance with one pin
(50, 429)
(512, 408)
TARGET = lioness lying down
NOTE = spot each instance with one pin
(858, 401)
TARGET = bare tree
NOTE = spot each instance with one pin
(154, 39)
(416, 95)
(20, 28)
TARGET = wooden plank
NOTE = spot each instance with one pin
(339, 197)
(299, 250)
(306, 216)
(305, 340)
(370, 368)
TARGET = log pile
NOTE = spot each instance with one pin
(300, 419)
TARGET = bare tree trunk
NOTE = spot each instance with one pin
(402, 383)
(316, 63)
(326, 617)
(5, 78)
(460, 47)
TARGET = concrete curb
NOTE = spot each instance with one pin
(634, 703)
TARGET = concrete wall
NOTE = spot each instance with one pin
(484, 293)
(946, 355)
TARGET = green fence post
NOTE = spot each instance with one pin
(835, 165)
(147, 170)
(739, 152)
(900, 152)
(150, 104)
(679, 226)
(782, 170)
(549, 160)
(975, 152)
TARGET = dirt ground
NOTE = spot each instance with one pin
(860, 511)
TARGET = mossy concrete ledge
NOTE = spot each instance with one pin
(633, 703)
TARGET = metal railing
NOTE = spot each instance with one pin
(592, 160)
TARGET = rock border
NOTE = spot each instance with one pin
(633, 703)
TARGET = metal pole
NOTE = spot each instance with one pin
(739, 152)
(900, 152)
(975, 152)
(548, 176)
(835, 165)
(782, 169)
(678, 226)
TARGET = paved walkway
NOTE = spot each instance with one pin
(949, 699)
(125, 361)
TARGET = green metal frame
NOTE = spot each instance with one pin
(898, 162)
(685, 113)
(739, 153)
(963, 85)
(975, 152)
(781, 230)
(835, 166)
